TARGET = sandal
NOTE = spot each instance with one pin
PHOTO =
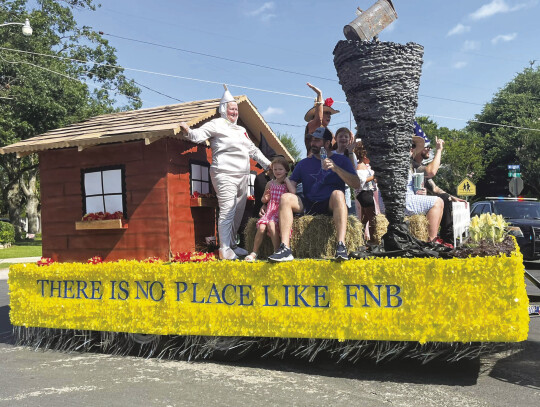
(251, 257)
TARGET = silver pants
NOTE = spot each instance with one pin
(231, 191)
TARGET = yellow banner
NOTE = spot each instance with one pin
(459, 300)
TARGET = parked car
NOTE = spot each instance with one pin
(523, 216)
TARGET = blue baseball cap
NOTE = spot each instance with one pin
(323, 133)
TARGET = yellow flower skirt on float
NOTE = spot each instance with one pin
(424, 300)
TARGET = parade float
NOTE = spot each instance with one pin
(194, 306)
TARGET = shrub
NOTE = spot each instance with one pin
(489, 227)
(7, 233)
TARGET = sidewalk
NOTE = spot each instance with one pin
(4, 268)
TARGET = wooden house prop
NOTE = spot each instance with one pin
(136, 163)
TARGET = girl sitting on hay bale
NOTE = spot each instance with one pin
(272, 194)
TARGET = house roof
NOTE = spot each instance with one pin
(145, 124)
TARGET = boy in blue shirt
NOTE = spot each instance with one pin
(324, 193)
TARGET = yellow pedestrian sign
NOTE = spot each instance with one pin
(466, 188)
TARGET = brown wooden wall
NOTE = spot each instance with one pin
(146, 198)
(188, 225)
(159, 216)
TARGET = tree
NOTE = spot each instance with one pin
(40, 93)
(517, 105)
(462, 155)
(290, 145)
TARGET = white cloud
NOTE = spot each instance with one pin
(470, 45)
(496, 7)
(459, 29)
(503, 38)
(460, 64)
(273, 111)
(264, 12)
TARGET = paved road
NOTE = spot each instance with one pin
(37, 378)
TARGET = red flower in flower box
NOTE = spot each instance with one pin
(103, 216)
(95, 260)
(45, 261)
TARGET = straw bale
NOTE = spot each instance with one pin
(315, 236)
(381, 225)
(418, 226)
(312, 237)
(250, 230)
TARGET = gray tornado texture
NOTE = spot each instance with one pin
(381, 80)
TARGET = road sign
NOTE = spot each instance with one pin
(515, 186)
(466, 188)
(514, 171)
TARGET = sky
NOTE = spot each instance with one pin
(472, 48)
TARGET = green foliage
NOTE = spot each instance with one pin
(517, 104)
(488, 227)
(290, 145)
(18, 250)
(462, 155)
(7, 233)
(40, 93)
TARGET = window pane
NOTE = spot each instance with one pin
(205, 187)
(94, 204)
(113, 203)
(195, 171)
(204, 173)
(196, 187)
(92, 183)
(112, 182)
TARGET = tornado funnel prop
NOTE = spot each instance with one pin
(380, 81)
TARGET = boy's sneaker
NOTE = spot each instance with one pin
(282, 254)
(341, 252)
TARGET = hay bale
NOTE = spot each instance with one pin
(418, 226)
(312, 237)
(381, 225)
(250, 230)
(315, 236)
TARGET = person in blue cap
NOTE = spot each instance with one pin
(416, 200)
(425, 161)
(323, 183)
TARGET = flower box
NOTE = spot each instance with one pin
(204, 202)
(101, 224)
(381, 299)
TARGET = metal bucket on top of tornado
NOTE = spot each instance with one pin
(371, 22)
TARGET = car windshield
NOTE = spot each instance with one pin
(517, 209)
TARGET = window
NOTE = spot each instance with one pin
(199, 176)
(486, 208)
(104, 190)
(251, 184)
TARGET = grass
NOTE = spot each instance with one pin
(6, 265)
(25, 248)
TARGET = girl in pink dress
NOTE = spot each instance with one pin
(268, 223)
